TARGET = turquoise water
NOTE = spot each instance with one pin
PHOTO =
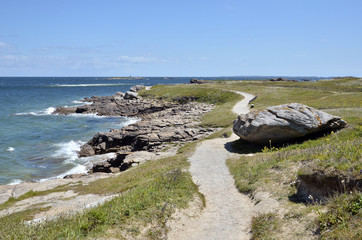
(36, 145)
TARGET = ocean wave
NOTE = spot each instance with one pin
(10, 149)
(68, 153)
(15, 182)
(91, 85)
(130, 121)
(83, 165)
(68, 150)
(81, 102)
(78, 169)
(89, 115)
(47, 111)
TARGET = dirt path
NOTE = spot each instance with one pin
(228, 213)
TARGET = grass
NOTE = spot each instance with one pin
(326, 94)
(273, 168)
(148, 195)
(184, 91)
(343, 220)
(220, 116)
(264, 226)
(30, 194)
(151, 203)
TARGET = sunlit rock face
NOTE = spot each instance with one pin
(283, 123)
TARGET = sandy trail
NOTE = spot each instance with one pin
(228, 213)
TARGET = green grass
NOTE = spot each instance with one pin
(273, 168)
(344, 93)
(264, 226)
(249, 170)
(148, 195)
(220, 116)
(197, 92)
(343, 220)
(336, 153)
(151, 192)
(30, 194)
(144, 204)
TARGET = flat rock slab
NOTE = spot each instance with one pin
(283, 123)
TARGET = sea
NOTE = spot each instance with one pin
(36, 145)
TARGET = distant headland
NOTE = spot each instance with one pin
(125, 78)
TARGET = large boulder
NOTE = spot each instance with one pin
(198, 81)
(136, 88)
(130, 95)
(283, 123)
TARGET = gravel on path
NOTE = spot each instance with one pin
(228, 213)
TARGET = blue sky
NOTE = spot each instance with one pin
(180, 38)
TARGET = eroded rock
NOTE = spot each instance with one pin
(198, 81)
(178, 124)
(317, 186)
(283, 123)
(136, 88)
(118, 105)
(131, 95)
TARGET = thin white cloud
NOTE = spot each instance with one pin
(3, 45)
(141, 59)
(6, 48)
(73, 49)
(51, 65)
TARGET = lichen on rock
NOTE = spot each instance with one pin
(283, 123)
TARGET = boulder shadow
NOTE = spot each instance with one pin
(242, 147)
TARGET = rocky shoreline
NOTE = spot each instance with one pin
(162, 127)
(162, 124)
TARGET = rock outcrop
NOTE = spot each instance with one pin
(283, 123)
(177, 124)
(136, 88)
(198, 81)
(128, 105)
(162, 123)
(282, 80)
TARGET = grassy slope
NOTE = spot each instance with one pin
(151, 191)
(148, 195)
(272, 169)
(221, 116)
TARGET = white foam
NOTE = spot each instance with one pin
(26, 113)
(10, 149)
(91, 85)
(81, 102)
(91, 115)
(68, 150)
(15, 182)
(76, 170)
(83, 166)
(47, 111)
(130, 121)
